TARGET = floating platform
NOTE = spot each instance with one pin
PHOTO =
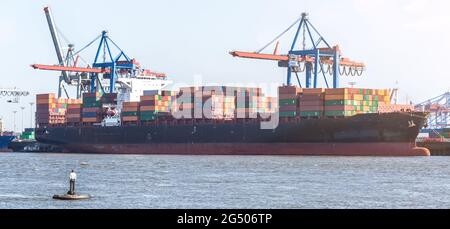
(71, 197)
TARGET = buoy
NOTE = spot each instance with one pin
(71, 197)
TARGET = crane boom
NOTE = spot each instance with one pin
(56, 42)
(69, 69)
(87, 70)
(261, 56)
(317, 58)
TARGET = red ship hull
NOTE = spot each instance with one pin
(286, 149)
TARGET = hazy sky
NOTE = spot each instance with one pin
(399, 40)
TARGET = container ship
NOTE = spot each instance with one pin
(128, 110)
(310, 122)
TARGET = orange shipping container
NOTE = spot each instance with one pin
(91, 120)
(338, 97)
(45, 101)
(73, 115)
(130, 119)
(130, 104)
(149, 97)
(336, 91)
(74, 106)
(130, 109)
(148, 108)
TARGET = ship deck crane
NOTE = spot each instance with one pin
(321, 58)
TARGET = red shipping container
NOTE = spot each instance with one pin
(45, 96)
(74, 106)
(130, 119)
(288, 96)
(148, 103)
(312, 97)
(74, 111)
(92, 109)
(73, 116)
(288, 108)
(289, 90)
(147, 108)
(73, 120)
(91, 120)
(336, 91)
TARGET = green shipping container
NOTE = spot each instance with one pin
(336, 102)
(130, 113)
(90, 105)
(288, 114)
(311, 114)
(148, 115)
(90, 100)
(340, 113)
(343, 102)
(287, 102)
(148, 118)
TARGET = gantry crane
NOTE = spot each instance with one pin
(319, 58)
(439, 108)
(104, 67)
(14, 92)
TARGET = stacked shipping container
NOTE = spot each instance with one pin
(311, 103)
(130, 112)
(221, 102)
(247, 101)
(288, 101)
(267, 105)
(152, 106)
(50, 110)
(92, 108)
(352, 101)
(74, 110)
(341, 102)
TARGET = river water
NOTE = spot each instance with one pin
(130, 181)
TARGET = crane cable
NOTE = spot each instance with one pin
(90, 43)
(300, 67)
(279, 36)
